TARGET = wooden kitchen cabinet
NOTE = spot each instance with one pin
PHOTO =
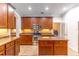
(11, 18)
(2, 53)
(60, 47)
(17, 46)
(6, 16)
(53, 47)
(36, 20)
(45, 47)
(26, 23)
(2, 50)
(10, 49)
(46, 50)
(46, 23)
(26, 39)
(3, 15)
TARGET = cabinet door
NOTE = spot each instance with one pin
(2, 50)
(17, 46)
(60, 47)
(45, 50)
(45, 47)
(10, 51)
(46, 23)
(26, 39)
(33, 20)
(10, 17)
(26, 22)
(10, 48)
(14, 23)
(2, 53)
(36, 20)
(3, 15)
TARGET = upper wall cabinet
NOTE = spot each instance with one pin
(7, 19)
(3, 15)
(45, 23)
(26, 22)
(11, 18)
(36, 20)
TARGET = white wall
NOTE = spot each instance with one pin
(57, 19)
(71, 19)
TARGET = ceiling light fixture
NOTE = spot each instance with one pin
(46, 8)
(29, 8)
(64, 8)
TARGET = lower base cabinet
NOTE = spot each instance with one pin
(17, 46)
(11, 48)
(52, 47)
(10, 51)
(60, 47)
(2, 53)
(26, 40)
(45, 50)
(2, 50)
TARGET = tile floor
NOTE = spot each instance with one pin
(32, 50)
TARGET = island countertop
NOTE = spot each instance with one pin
(52, 38)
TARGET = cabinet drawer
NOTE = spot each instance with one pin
(9, 44)
(60, 43)
(2, 47)
(45, 42)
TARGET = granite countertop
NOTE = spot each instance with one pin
(32, 33)
(52, 38)
(6, 40)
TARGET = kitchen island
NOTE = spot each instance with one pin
(53, 46)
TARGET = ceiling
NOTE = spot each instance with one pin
(38, 9)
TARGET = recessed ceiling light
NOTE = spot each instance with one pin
(64, 8)
(29, 8)
(46, 8)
